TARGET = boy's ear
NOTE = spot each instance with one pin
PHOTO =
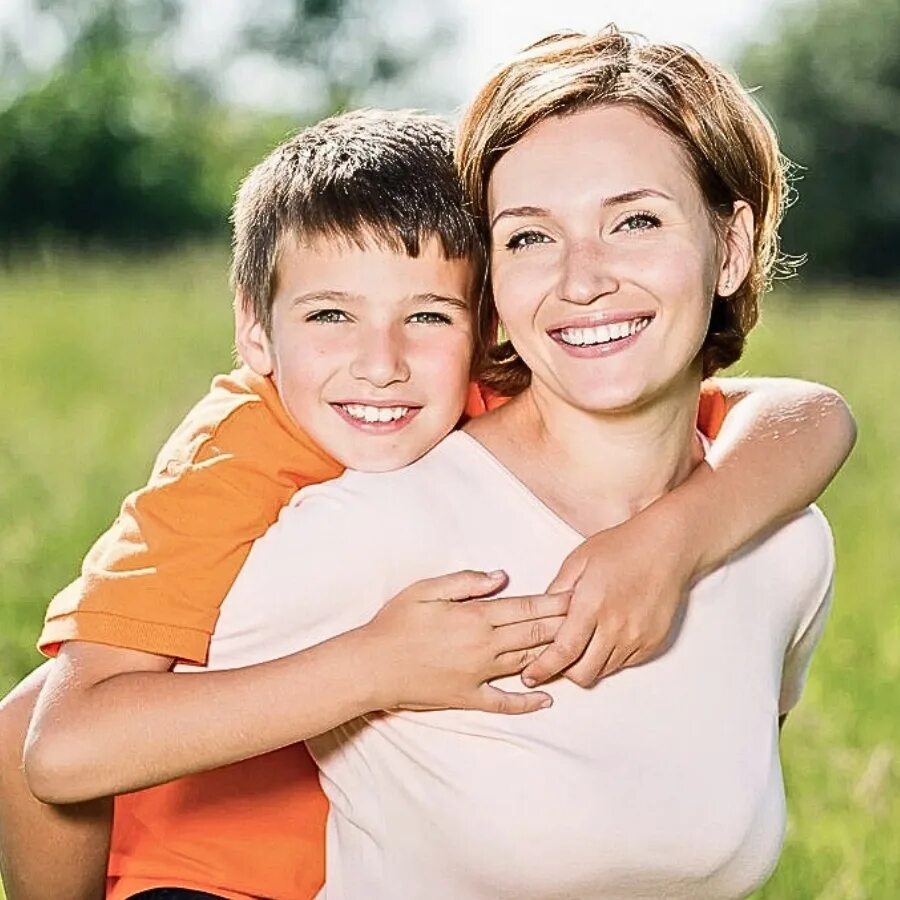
(250, 338)
(738, 250)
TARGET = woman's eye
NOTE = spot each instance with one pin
(328, 316)
(526, 239)
(430, 318)
(641, 221)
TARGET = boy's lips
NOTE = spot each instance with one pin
(377, 416)
(601, 334)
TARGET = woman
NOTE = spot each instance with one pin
(632, 195)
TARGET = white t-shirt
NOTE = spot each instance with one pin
(662, 781)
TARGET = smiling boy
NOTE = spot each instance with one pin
(355, 266)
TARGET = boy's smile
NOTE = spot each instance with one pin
(370, 349)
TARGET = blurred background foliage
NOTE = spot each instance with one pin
(117, 143)
(119, 156)
(125, 141)
(830, 76)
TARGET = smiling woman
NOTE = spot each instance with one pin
(623, 234)
(737, 187)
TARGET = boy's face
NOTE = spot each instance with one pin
(370, 349)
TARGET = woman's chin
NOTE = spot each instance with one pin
(610, 399)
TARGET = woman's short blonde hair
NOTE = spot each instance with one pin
(729, 142)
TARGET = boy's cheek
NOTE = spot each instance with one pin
(449, 349)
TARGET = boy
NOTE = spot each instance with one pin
(153, 584)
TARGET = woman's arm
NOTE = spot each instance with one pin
(111, 720)
(780, 445)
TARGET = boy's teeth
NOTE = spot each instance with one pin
(602, 334)
(375, 413)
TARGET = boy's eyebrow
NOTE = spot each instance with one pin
(323, 297)
(615, 200)
(455, 302)
(345, 297)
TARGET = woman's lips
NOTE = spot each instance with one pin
(601, 336)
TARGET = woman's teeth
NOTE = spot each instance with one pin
(603, 334)
(374, 413)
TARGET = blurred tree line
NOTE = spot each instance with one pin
(117, 142)
(829, 73)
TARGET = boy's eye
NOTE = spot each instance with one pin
(328, 316)
(430, 318)
(526, 239)
(639, 221)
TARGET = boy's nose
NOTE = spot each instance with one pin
(380, 359)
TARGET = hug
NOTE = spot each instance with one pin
(474, 520)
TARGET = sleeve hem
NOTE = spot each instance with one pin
(187, 644)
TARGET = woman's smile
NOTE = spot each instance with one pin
(602, 335)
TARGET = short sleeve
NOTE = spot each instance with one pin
(814, 615)
(711, 410)
(156, 579)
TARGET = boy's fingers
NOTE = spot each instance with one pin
(507, 703)
(514, 661)
(567, 647)
(508, 610)
(461, 585)
(524, 635)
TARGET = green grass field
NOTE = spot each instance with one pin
(102, 357)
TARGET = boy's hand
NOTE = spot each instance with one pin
(434, 647)
(628, 584)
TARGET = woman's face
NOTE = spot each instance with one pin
(604, 258)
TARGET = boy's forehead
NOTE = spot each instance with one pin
(365, 265)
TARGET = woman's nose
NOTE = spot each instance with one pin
(380, 358)
(587, 273)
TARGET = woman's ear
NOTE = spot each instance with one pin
(738, 250)
(250, 338)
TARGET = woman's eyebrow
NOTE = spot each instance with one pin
(615, 200)
(638, 194)
(519, 211)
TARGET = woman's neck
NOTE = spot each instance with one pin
(596, 469)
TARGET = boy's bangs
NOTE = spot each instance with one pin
(401, 221)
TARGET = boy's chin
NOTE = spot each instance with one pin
(375, 459)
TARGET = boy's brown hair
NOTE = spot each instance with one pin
(729, 143)
(363, 176)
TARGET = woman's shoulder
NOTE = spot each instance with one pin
(803, 547)
(789, 571)
(808, 541)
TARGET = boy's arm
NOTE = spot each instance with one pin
(779, 446)
(112, 720)
(75, 838)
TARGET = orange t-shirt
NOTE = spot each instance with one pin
(155, 582)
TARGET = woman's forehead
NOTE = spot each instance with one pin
(604, 151)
